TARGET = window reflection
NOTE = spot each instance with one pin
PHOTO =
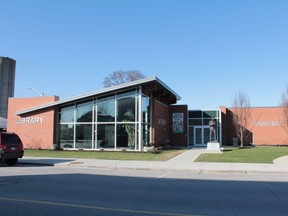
(105, 136)
(84, 112)
(66, 136)
(106, 109)
(126, 109)
(146, 135)
(126, 135)
(67, 114)
(92, 125)
(146, 109)
(83, 136)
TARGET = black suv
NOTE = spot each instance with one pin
(11, 148)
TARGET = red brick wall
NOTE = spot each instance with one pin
(223, 113)
(228, 131)
(161, 123)
(36, 129)
(265, 126)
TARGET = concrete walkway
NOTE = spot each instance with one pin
(181, 163)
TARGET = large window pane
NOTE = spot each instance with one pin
(66, 135)
(191, 135)
(105, 136)
(146, 134)
(83, 136)
(126, 109)
(67, 114)
(210, 114)
(84, 112)
(195, 114)
(145, 109)
(195, 121)
(126, 135)
(106, 109)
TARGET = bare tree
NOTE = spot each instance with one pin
(284, 104)
(120, 77)
(241, 116)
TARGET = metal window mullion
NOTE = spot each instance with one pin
(93, 126)
(115, 122)
(220, 126)
(74, 125)
(139, 130)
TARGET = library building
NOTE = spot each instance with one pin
(132, 116)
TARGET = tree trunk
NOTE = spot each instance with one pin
(241, 138)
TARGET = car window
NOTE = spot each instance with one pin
(8, 139)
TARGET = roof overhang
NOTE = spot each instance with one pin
(152, 86)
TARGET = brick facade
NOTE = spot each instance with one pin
(36, 129)
(266, 126)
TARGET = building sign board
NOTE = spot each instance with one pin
(178, 122)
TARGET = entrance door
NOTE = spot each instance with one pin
(201, 135)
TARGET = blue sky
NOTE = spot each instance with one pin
(205, 50)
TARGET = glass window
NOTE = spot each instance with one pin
(106, 109)
(209, 114)
(126, 135)
(83, 136)
(67, 114)
(195, 114)
(66, 135)
(146, 109)
(126, 109)
(84, 112)
(105, 136)
(195, 121)
(146, 134)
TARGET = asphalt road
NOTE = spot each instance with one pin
(28, 190)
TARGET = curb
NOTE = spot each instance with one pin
(181, 163)
(196, 171)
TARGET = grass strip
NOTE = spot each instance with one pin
(246, 155)
(107, 155)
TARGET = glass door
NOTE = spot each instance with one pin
(198, 136)
(201, 135)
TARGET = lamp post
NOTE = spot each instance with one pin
(31, 88)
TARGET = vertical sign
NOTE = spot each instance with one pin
(178, 122)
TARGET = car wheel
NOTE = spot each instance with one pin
(11, 162)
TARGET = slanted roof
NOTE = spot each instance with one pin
(151, 86)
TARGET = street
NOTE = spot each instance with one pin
(45, 190)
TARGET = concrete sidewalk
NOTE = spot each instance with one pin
(181, 163)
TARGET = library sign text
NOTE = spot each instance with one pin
(30, 120)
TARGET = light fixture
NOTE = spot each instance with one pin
(32, 88)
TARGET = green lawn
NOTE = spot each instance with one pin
(230, 155)
(109, 155)
(246, 155)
